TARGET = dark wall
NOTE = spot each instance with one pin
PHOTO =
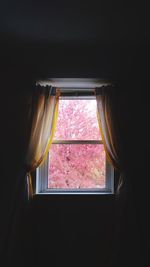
(76, 230)
(98, 39)
(70, 230)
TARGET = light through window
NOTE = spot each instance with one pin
(76, 162)
(77, 158)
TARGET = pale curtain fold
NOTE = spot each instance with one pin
(43, 117)
(106, 114)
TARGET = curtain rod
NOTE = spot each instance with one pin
(75, 91)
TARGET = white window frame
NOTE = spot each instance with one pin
(42, 171)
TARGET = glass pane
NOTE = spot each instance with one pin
(77, 166)
(77, 120)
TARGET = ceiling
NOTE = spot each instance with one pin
(73, 38)
(74, 21)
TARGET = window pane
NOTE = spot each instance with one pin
(77, 166)
(77, 120)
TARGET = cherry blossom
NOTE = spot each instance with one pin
(77, 166)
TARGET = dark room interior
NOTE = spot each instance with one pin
(75, 39)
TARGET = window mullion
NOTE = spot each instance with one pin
(77, 142)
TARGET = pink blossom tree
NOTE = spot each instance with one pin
(77, 165)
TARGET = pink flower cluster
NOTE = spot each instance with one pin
(77, 165)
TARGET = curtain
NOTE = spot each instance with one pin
(110, 128)
(38, 112)
(43, 113)
(110, 123)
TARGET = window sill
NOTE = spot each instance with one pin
(74, 193)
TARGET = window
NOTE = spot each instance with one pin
(76, 162)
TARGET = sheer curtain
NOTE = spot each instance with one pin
(40, 117)
(43, 113)
(111, 132)
(109, 128)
